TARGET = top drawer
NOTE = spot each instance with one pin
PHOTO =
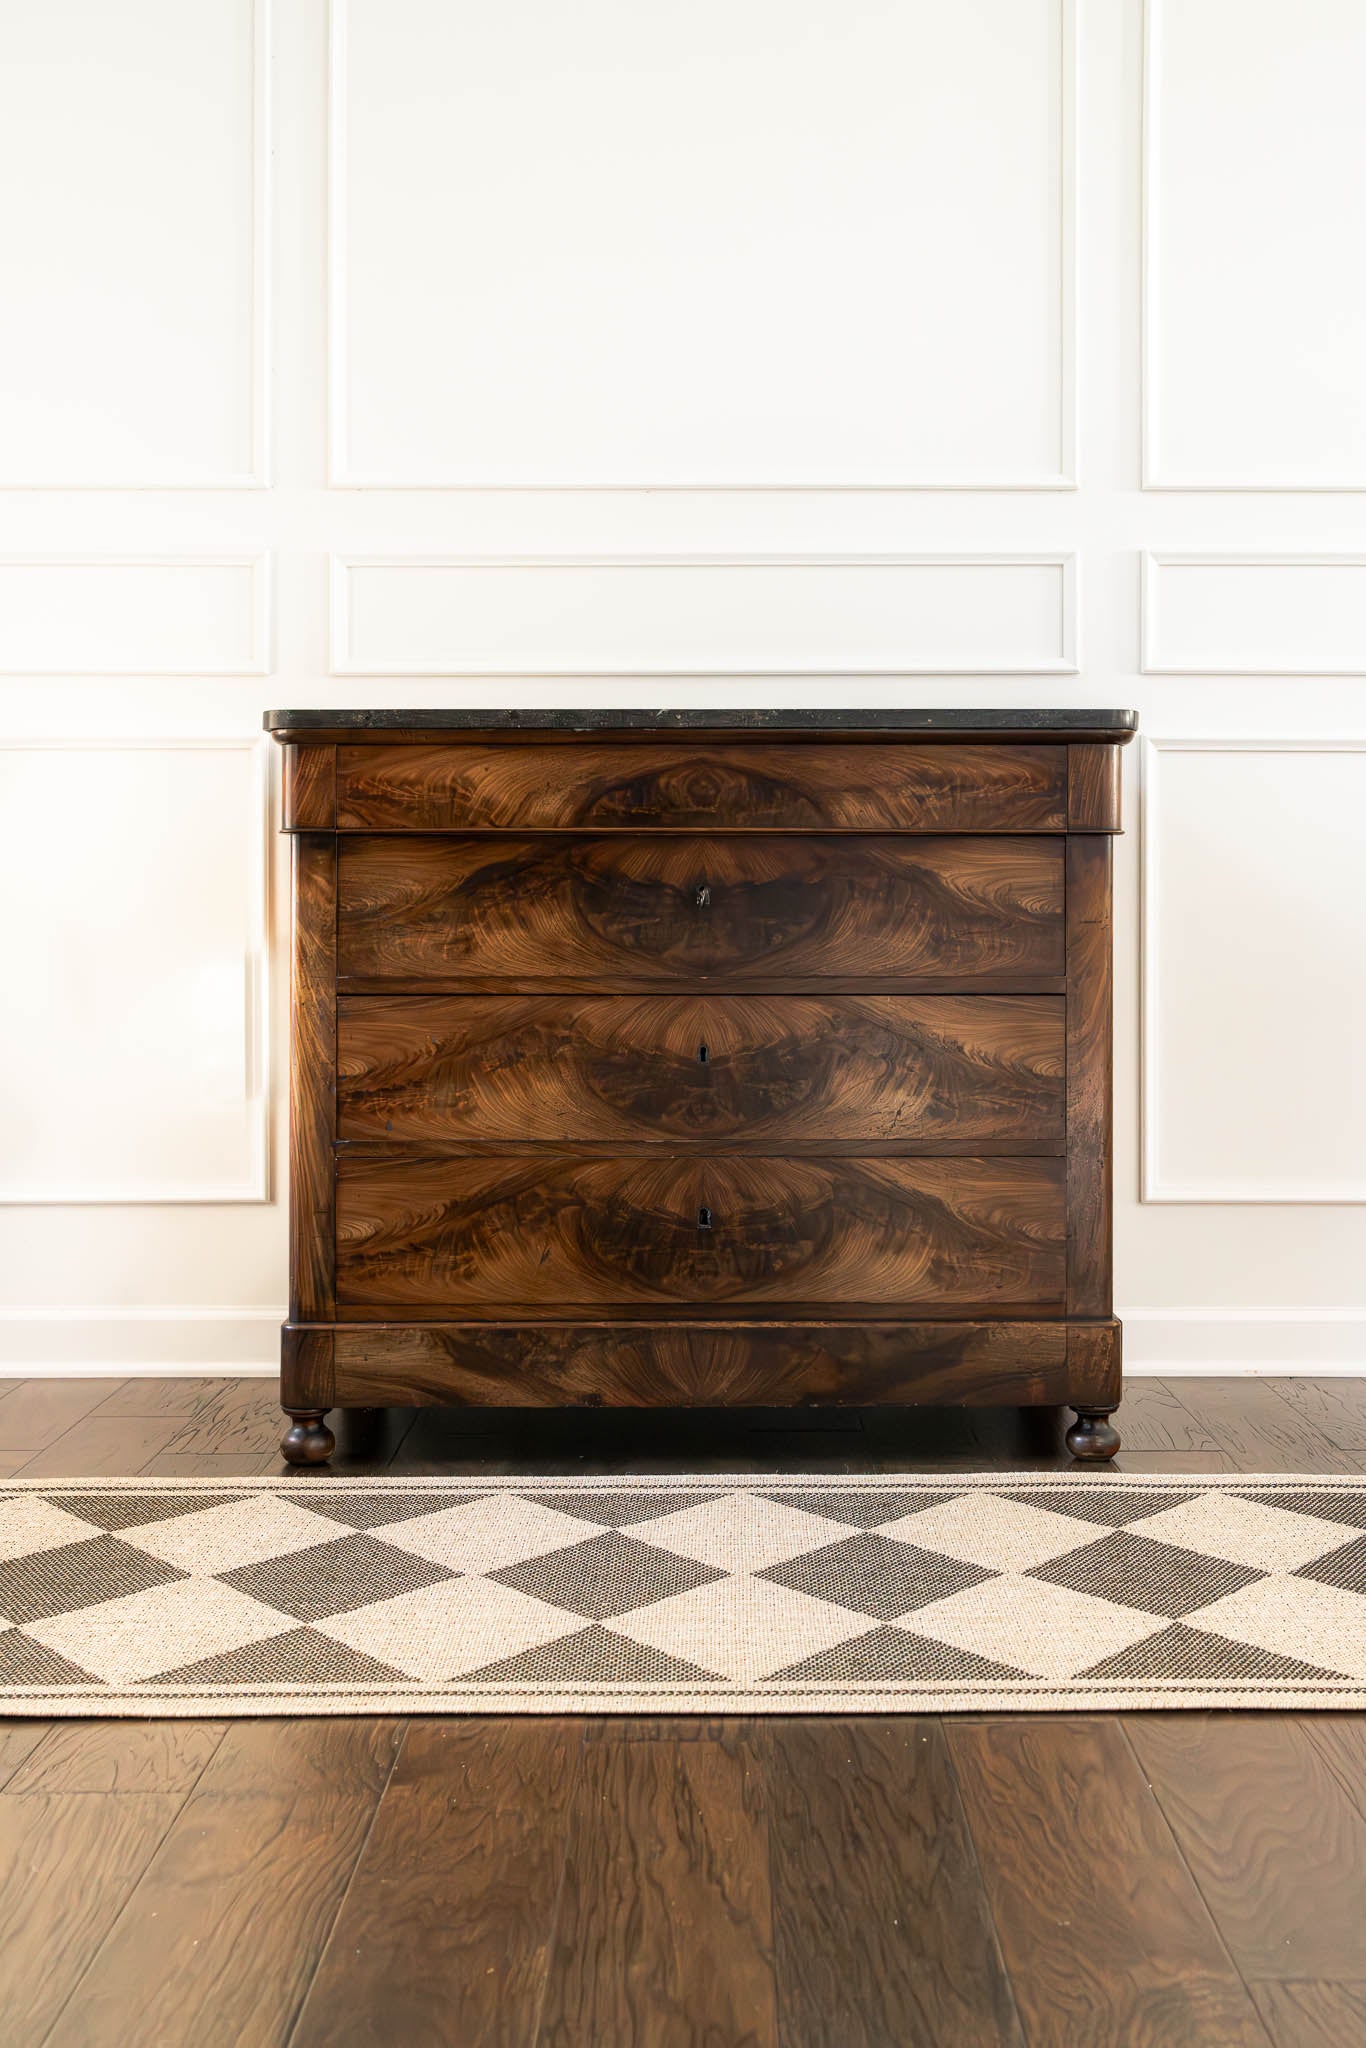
(626, 786)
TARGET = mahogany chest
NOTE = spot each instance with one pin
(700, 1059)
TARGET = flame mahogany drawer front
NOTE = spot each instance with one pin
(758, 911)
(429, 1233)
(686, 1059)
(685, 1071)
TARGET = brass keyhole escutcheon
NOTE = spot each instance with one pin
(704, 1219)
(702, 898)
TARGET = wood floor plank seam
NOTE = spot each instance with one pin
(1094, 1964)
(56, 1731)
(1353, 1790)
(1234, 1966)
(971, 1840)
(534, 2035)
(287, 2037)
(133, 1889)
(1301, 1394)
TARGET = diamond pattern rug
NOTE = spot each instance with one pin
(681, 1595)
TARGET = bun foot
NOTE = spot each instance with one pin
(1092, 1439)
(308, 1441)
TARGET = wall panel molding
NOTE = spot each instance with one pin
(704, 615)
(1324, 258)
(348, 472)
(253, 1183)
(1325, 637)
(255, 472)
(51, 623)
(1158, 1184)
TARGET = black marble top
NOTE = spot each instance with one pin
(1118, 725)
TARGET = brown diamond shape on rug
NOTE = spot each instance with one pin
(1345, 1568)
(335, 1578)
(1110, 1504)
(299, 1657)
(1157, 1578)
(605, 1575)
(594, 1656)
(865, 1510)
(1344, 1506)
(127, 1510)
(25, 1662)
(876, 1575)
(1197, 1653)
(889, 1655)
(614, 1510)
(371, 1510)
(77, 1575)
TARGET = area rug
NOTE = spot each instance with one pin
(323, 1595)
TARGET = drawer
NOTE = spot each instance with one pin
(428, 1233)
(605, 786)
(696, 1069)
(636, 912)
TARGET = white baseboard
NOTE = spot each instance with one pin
(163, 1343)
(1313, 1343)
(139, 1343)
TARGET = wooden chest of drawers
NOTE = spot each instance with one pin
(700, 1059)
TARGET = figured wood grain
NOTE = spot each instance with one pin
(1089, 1062)
(1093, 788)
(119, 1756)
(1335, 1408)
(664, 1928)
(691, 784)
(645, 912)
(37, 1412)
(1276, 1845)
(18, 1740)
(102, 1444)
(702, 1365)
(68, 1864)
(1093, 1363)
(1155, 1420)
(1340, 1740)
(240, 1417)
(1106, 1939)
(1309, 2015)
(423, 1231)
(254, 1867)
(881, 1927)
(310, 789)
(179, 1396)
(446, 1929)
(1248, 1419)
(312, 1077)
(307, 1370)
(691, 1070)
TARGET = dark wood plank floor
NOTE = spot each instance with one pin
(1146, 1881)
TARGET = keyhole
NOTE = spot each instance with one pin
(703, 897)
(704, 1219)
(702, 1054)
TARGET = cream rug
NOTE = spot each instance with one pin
(321, 1595)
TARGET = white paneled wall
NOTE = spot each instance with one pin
(778, 352)
(609, 245)
(686, 615)
(134, 243)
(1255, 169)
(132, 898)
